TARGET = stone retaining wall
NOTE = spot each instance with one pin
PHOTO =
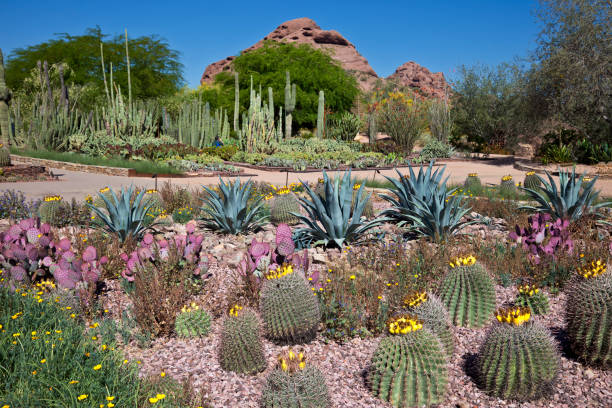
(111, 171)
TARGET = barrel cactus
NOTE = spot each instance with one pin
(98, 201)
(241, 349)
(293, 383)
(507, 187)
(518, 359)
(192, 322)
(532, 297)
(468, 293)
(284, 205)
(409, 368)
(589, 315)
(532, 181)
(289, 309)
(368, 209)
(320, 187)
(50, 210)
(472, 182)
(5, 156)
(429, 309)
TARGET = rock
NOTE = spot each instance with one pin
(319, 258)
(525, 150)
(590, 374)
(415, 76)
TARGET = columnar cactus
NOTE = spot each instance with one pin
(519, 358)
(236, 101)
(472, 182)
(589, 315)
(283, 206)
(468, 293)
(320, 116)
(409, 368)
(290, 99)
(532, 181)
(430, 310)
(289, 309)
(5, 98)
(507, 187)
(192, 322)
(50, 209)
(532, 297)
(241, 348)
(293, 383)
(5, 156)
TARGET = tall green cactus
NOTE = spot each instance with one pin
(257, 125)
(372, 128)
(320, 116)
(241, 348)
(290, 99)
(468, 293)
(236, 101)
(5, 98)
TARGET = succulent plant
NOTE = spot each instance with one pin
(69, 270)
(431, 312)
(589, 315)
(571, 201)
(368, 209)
(409, 368)
(532, 181)
(294, 383)
(50, 210)
(335, 219)
(532, 297)
(288, 307)
(241, 348)
(543, 237)
(5, 157)
(519, 358)
(192, 322)
(229, 212)
(283, 207)
(468, 293)
(472, 182)
(507, 186)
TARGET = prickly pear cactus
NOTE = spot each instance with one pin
(429, 309)
(468, 293)
(409, 368)
(294, 383)
(507, 186)
(532, 297)
(519, 358)
(50, 209)
(288, 307)
(589, 315)
(282, 208)
(472, 182)
(241, 348)
(5, 156)
(532, 181)
(192, 322)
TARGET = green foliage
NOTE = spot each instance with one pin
(229, 211)
(368, 209)
(311, 70)
(223, 152)
(468, 293)
(571, 201)
(258, 128)
(557, 154)
(334, 219)
(289, 309)
(589, 319)
(440, 121)
(343, 126)
(282, 209)
(587, 152)
(305, 389)
(403, 116)
(532, 181)
(241, 348)
(182, 215)
(536, 302)
(518, 362)
(435, 149)
(434, 316)
(192, 323)
(5, 157)
(196, 126)
(49, 211)
(409, 370)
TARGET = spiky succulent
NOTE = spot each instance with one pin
(507, 186)
(5, 156)
(468, 293)
(472, 182)
(283, 207)
(428, 308)
(294, 383)
(518, 359)
(570, 201)
(368, 209)
(241, 348)
(192, 322)
(532, 297)
(335, 219)
(229, 212)
(532, 181)
(589, 315)
(51, 209)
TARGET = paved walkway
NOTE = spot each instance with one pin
(78, 184)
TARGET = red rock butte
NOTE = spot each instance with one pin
(306, 31)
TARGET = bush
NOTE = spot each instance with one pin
(435, 149)
(403, 118)
(15, 206)
(344, 126)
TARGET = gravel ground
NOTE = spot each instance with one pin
(344, 366)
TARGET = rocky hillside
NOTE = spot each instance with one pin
(306, 31)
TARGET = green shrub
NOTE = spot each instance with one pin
(182, 215)
(344, 126)
(192, 322)
(223, 152)
(241, 348)
(435, 149)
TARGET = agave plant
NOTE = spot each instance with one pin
(124, 216)
(230, 212)
(331, 220)
(568, 202)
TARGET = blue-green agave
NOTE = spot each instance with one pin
(570, 201)
(230, 211)
(124, 216)
(330, 220)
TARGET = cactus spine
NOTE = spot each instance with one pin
(320, 114)
(468, 293)
(290, 99)
(5, 98)
(192, 322)
(589, 315)
(50, 210)
(5, 156)
(241, 349)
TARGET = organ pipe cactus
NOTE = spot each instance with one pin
(236, 101)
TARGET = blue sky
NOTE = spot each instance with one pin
(439, 35)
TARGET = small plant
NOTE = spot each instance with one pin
(531, 296)
(409, 367)
(588, 315)
(429, 309)
(289, 309)
(368, 209)
(532, 181)
(182, 215)
(519, 358)
(192, 322)
(507, 188)
(228, 212)
(5, 156)
(15, 206)
(468, 293)
(241, 348)
(293, 383)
